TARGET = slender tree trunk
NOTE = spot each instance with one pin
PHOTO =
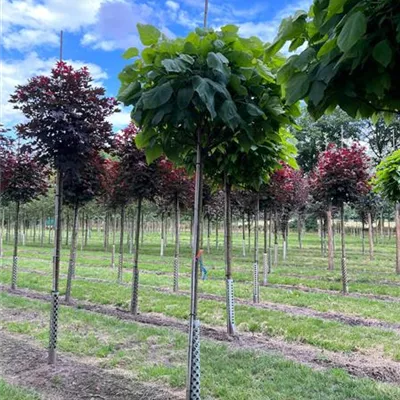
(397, 219)
(193, 373)
(208, 234)
(243, 236)
(299, 230)
(142, 229)
(344, 263)
(56, 272)
(1, 236)
(270, 243)
(256, 286)
(176, 255)
(131, 247)
(86, 230)
(162, 236)
(265, 254)
(330, 238)
(135, 277)
(15, 252)
(43, 229)
(216, 234)
(121, 246)
(276, 240)
(321, 234)
(67, 230)
(370, 237)
(363, 236)
(72, 255)
(249, 231)
(230, 306)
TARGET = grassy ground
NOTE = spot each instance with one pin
(158, 354)
(13, 392)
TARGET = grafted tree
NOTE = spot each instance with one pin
(80, 186)
(387, 183)
(177, 192)
(66, 120)
(23, 179)
(140, 181)
(341, 176)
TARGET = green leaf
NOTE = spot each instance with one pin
(317, 92)
(297, 87)
(184, 97)
(254, 111)
(218, 62)
(188, 59)
(383, 53)
(142, 139)
(174, 65)
(353, 30)
(156, 97)
(228, 114)
(153, 152)
(206, 93)
(230, 28)
(264, 72)
(127, 92)
(327, 47)
(130, 53)
(335, 7)
(148, 34)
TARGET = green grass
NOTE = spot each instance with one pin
(13, 392)
(159, 355)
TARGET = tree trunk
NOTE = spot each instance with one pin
(344, 265)
(299, 230)
(72, 255)
(121, 246)
(370, 237)
(56, 271)
(135, 277)
(142, 229)
(131, 247)
(86, 230)
(176, 255)
(397, 219)
(363, 236)
(249, 231)
(208, 234)
(276, 240)
(256, 286)
(67, 230)
(162, 236)
(15, 252)
(193, 373)
(1, 236)
(243, 236)
(230, 306)
(265, 255)
(330, 238)
(216, 234)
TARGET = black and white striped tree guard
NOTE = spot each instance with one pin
(256, 286)
(56, 272)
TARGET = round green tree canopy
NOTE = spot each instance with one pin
(351, 60)
(211, 81)
(387, 179)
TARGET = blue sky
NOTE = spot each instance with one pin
(96, 32)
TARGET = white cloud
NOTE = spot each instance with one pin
(15, 72)
(172, 5)
(121, 119)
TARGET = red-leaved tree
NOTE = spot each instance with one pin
(66, 120)
(177, 191)
(340, 176)
(23, 179)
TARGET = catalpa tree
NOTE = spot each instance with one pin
(387, 183)
(66, 120)
(191, 96)
(351, 58)
(341, 176)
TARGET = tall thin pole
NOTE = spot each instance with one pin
(205, 13)
(61, 45)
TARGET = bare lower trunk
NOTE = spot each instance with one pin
(243, 236)
(256, 286)
(135, 277)
(72, 256)
(363, 236)
(345, 289)
(176, 255)
(276, 248)
(265, 257)
(208, 234)
(397, 219)
(330, 238)
(370, 237)
(162, 236)
(15, 251)
(121, 245)
(299, 231)
(230, 308)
